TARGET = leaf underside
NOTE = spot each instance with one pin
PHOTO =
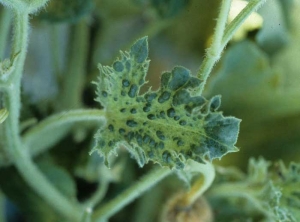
(167, 126)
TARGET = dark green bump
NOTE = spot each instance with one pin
(110, 143)
(171, 112)
(164, 97)
(130, 136)
(141, 130)
(123, 93)
(180, 143)
(181, 97)
(115, 99)
(147, 107)
(125, 83)
(193, 82)
(110, 128)
(176, 118)
(128, 65)
(104, 93)
(123, 110)
(133, 111)
(139, 139)
(140, 99)
(189, 154)
(122, 131)
(139, 50)
(165, 77)
(152, 143)
(179, 164)
(160, 135)
(197, 149)
(149, 97)
(151, 116)
(144, 123)
(166, 156)
(151, 154)
(118, 66)
(160, 145)
(133, 91)
(176, 138)
(215, 103)
(131, 123)
(146, 139)
(180, 76)
(141, 82)
(162, 114)
(182, 122)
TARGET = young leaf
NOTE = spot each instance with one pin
(167, 126)
(272, 190)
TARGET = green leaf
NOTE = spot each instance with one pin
(272, 191)
(167, 126)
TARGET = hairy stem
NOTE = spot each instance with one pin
(202, 183)
(61, 123)
(252, 6)
(12, 142)
(214, 52)
(5, 22)
(73, 83)
(220, 42)
(113, 206)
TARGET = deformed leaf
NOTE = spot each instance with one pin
(167, 126)
(272, 190)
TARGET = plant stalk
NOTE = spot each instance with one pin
(58, 122)
(123, 199)
(12, 142)
(222, 36)
(213, 53)
(5, 22)
(202, 183)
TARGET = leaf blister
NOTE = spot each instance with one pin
(173, 111)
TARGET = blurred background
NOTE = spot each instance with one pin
(258, 77)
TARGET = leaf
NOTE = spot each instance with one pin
(272, 190)
(167, 126)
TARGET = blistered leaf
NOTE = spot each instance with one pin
(167, 126)
(271, 189)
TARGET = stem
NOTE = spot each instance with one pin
(12, 142)
(131, 193)
(213, 56)
(5, 22)
(36, 135)
(202, 183)
(98, 195)
(239, 19)
(214, 52)
(74, 80)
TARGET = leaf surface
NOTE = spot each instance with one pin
(167, 126)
